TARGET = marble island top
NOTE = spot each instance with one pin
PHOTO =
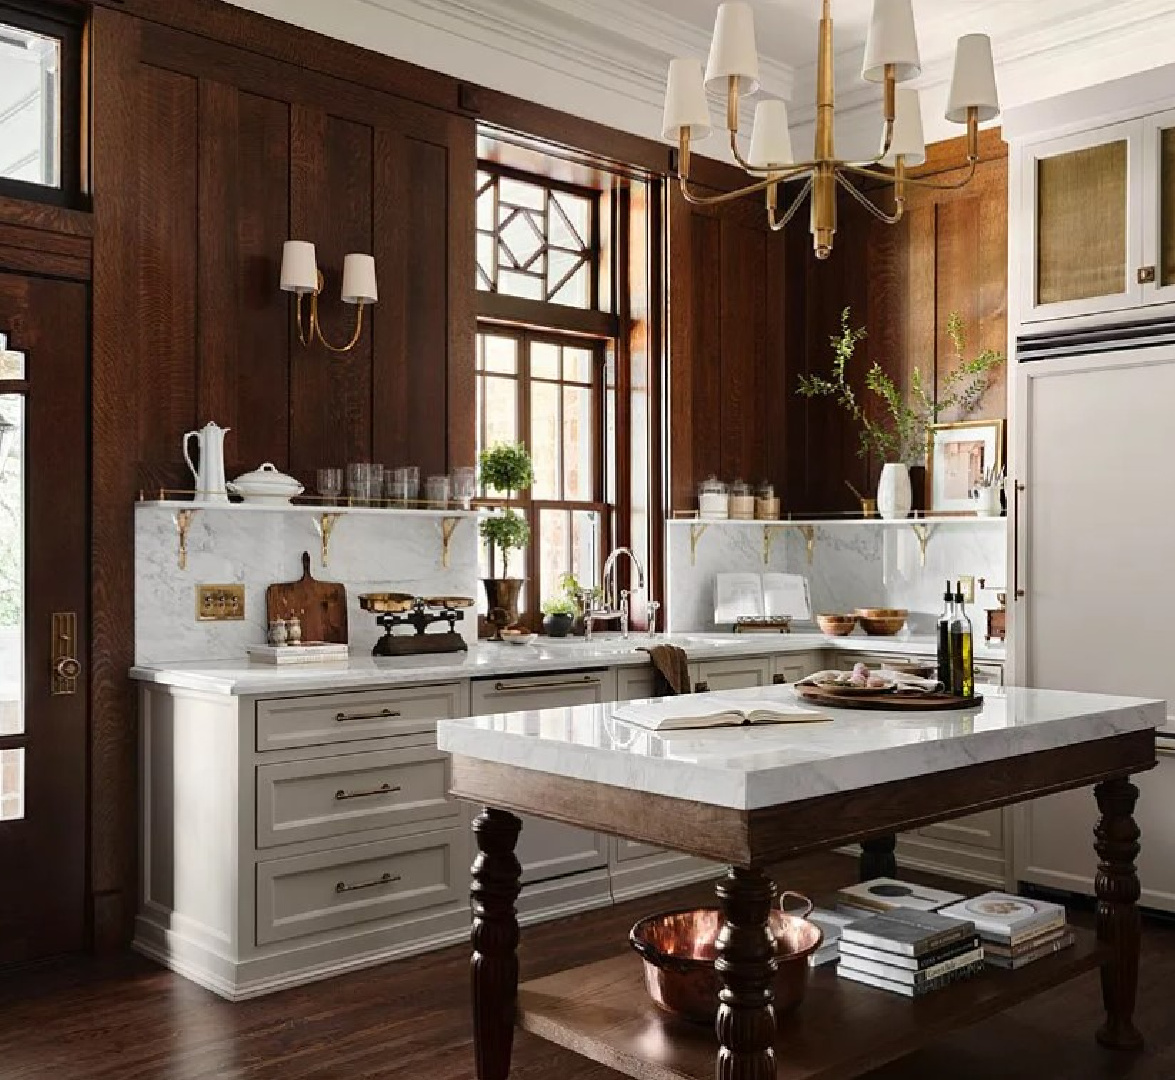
(748, 768)
(361, 670)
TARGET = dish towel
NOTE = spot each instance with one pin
(906, 683)
(672, 670)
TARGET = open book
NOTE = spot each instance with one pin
(739, 595)
(707, 711)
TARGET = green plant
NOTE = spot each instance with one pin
(560, 605)
(506, 467)
(902, 432)
(505, 532)
(571, 587)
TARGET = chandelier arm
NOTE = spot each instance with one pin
(864, 200)
(781, 223)
(952, 186)
(726, 196)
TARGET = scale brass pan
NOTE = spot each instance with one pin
(395, 603)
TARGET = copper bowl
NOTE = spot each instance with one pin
(678, 950)
(836, 625)
(882, 622)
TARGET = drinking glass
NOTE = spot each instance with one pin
(330, 483)
(359, 482)
(375, 482)
(464, 485)
(436, 492)
(406, 478)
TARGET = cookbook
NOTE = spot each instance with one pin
(709, 711)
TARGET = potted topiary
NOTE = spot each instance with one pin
(506, 468)
(559, 615)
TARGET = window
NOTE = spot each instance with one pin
(40, 102)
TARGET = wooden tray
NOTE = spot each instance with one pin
(887, 700)
(320, 605)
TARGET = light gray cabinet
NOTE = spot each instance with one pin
(793, 667)
(731, 674)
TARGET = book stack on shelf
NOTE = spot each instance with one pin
(1016, 931)
(909, 952)
(883, 894)
(832, 923)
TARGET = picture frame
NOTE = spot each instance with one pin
(956, 456)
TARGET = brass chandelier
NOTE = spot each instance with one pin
(891, 57)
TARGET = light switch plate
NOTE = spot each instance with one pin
(220, 603)
(967, 586)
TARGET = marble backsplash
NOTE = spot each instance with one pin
(853, 566)
(369, 552)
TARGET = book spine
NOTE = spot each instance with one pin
(912, 978)
(922, 947)
(1011, 963)
(910, 963)
(958, 975)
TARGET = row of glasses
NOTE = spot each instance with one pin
(368, 483)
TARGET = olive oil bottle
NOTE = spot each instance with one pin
(962, 649)
(944, 640)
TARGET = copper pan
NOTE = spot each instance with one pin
(678, 950)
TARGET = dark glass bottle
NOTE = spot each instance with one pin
(944, 640)
(962, 645)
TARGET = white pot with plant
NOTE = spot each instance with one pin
(901, 437)
(506, 468)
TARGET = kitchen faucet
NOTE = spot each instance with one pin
(615, 603)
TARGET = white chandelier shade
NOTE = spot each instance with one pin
(732, 49)
(686, 107)
(973, 82)
(770, 136)
(892, 40)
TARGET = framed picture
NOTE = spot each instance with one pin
(957, 457)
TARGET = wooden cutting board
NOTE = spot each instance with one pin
(912, 702)
(321, 605)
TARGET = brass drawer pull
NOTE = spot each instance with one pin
(383, 789)
(558, 684)
(383, 879)
(383, 714)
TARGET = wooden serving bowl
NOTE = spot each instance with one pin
(836, 625)
(679, 948)
(882, 622)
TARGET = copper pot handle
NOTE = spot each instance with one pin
(651, 954)
(808, 905)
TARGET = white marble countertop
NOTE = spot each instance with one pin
(751, 767)
(362, 670)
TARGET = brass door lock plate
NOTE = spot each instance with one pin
(220, 603)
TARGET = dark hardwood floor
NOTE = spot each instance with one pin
(126, 1019)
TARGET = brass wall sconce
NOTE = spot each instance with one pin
(301, 276)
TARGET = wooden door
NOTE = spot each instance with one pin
(43, 616)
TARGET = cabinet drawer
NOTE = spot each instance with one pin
(319, 719)
(307, 894)
(308, 800)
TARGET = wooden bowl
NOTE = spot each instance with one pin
(678, 950)
(882, 622)
(836, 625)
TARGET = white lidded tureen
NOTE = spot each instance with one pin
(265, 484)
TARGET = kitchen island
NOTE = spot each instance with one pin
(750, 797)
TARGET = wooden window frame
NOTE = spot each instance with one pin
(68, 24)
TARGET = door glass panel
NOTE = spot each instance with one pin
(30, 106)
(1081, 224)
(11, 785)
(12, 559)
(1167, 187)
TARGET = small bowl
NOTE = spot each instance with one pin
(679, 948)
(518, 637)
(836, 625)
(882, 622)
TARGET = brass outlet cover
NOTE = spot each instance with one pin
(967, 587)
(220, 603)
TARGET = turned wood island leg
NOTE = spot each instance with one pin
(1118, 922)
(746, 966)
(494, 967)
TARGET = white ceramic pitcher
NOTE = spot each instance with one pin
(210, 475)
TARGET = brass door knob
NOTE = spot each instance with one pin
(67, 667)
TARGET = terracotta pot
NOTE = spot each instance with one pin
(502, 599)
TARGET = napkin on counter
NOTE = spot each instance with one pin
(906, 683)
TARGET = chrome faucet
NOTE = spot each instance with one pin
(614, 602)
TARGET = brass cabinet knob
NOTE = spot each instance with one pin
(67, 667)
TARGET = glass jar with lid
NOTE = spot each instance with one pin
(742, 502)
(713, 500)
(767, 506)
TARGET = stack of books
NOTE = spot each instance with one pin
(909, 952)
(887, 894)
(1016, 930)
(832, 923)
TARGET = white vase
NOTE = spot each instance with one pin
(895, 496)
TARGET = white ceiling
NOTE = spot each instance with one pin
(606, 59)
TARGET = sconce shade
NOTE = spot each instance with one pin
(732, 50)
(908, 140)
(973, 82)
(299, 267)
(359, 280)
(892, 40)
(685, 101)
(770, 137)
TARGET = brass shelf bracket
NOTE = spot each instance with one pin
(448, 524)
(696, 532)
(809, 534)
(183, 522)
(923, 533)
(325, 524)
(769, 532)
